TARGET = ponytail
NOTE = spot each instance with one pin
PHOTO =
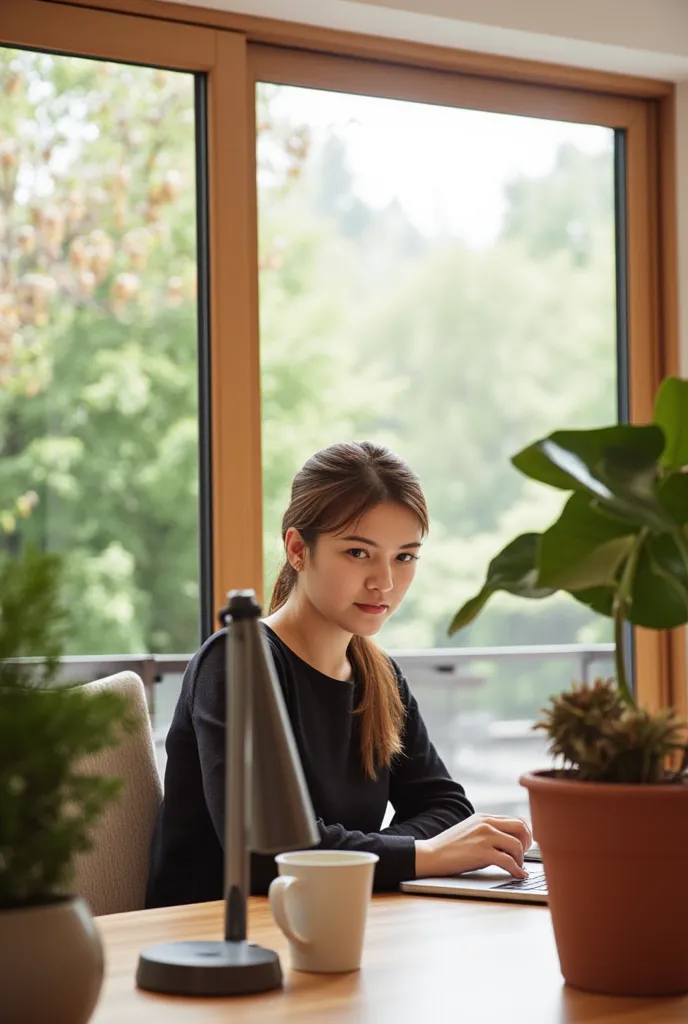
(381, 709)
(283, 586)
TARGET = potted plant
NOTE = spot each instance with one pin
(612, 820)
(51, 964)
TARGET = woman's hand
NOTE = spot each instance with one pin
(478, 842)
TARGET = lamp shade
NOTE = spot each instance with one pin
(279, 814)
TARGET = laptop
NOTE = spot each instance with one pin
(488, 884)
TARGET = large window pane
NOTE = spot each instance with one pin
(442, 280)
(98, 395)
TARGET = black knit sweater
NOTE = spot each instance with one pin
(186, 853)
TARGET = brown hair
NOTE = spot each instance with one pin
(333, 490)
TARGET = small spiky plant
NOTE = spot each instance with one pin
(619, 547)
(593, 731)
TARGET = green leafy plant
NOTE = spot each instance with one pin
(620, 547)
(47, 804)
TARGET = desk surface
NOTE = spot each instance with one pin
(426, 959)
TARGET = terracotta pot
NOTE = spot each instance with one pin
(616, 861)
(51, 967)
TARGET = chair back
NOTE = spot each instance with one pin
(112, 876)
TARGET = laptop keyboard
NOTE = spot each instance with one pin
(533, 883)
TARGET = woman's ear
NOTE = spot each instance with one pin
(295, 548)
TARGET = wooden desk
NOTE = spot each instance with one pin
(426, 959)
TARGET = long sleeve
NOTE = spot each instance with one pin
(425, 798)
(397, 853)
(208, 704)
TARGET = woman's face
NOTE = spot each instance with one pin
(358, 577)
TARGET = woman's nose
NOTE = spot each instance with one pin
(381, 580)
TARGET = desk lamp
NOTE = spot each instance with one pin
(267, 810)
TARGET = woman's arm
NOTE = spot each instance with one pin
(448, 836)
(396, 864)
(425, 798)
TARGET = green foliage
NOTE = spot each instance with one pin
(449, 353)
(48, 805)
(32, 619)
(98, 362)
(565, 211)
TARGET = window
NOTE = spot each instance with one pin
(443, 280)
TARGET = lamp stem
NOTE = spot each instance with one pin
(239, 673)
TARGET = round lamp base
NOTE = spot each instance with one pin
(208, 969)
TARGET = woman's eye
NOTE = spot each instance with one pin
(406, 556)
(357, 552)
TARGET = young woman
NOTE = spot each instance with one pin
(352, 536)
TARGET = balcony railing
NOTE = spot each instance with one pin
(478, 704)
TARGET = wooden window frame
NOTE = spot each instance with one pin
(235, 51)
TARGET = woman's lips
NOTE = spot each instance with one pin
(372, 609)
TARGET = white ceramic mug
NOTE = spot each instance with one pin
(320, 901)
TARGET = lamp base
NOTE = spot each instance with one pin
(208, 969)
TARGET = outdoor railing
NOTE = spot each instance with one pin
(466, 696)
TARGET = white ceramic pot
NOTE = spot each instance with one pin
(51, 963)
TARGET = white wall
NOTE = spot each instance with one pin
(642, 37)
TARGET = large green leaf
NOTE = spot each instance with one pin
(584, 548)
(671, 414)
(673, 494)
(470, 610)
(659, 594)
(567, 459)
(617, 465)
(513, 570)
(660, 586)
(599, 599)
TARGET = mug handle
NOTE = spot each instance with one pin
(277, 894)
